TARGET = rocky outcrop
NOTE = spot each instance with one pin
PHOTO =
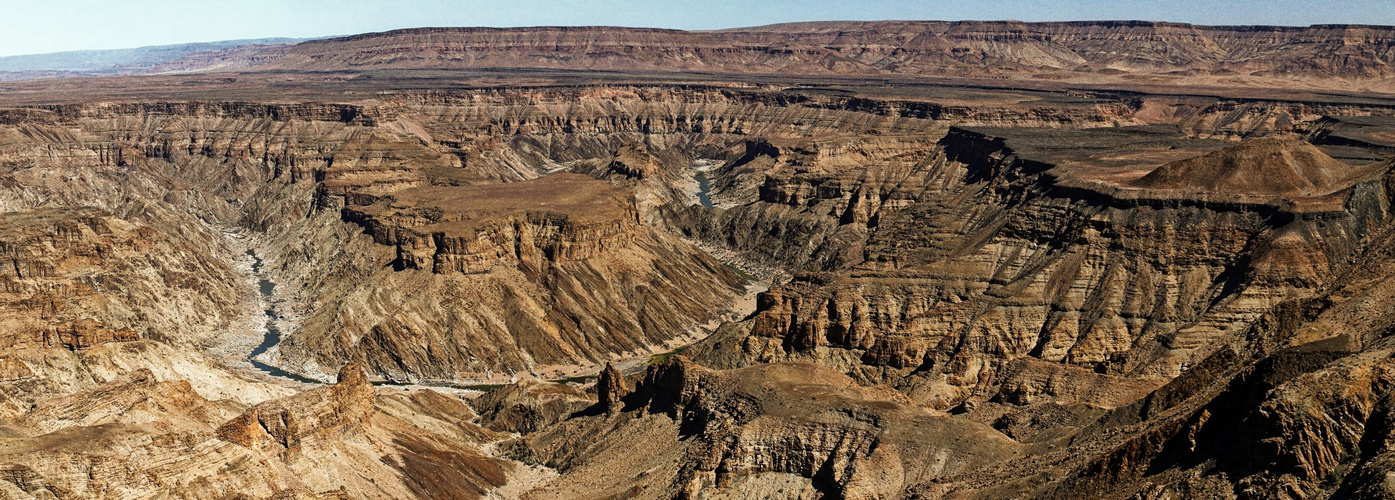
(796, 425)
(1307, 404)
(470, 229)
(12, 369)
(610, 388)
(76, 278)
(140, 435)
(534, 276)
(284, 423)
(1028, 379)
(634, 161)
(1087, 51)
(805, 204)
(996, 312)
(976, 254)
(529, 405)
(22, 483)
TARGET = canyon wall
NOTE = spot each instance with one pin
(1022, 294)
(1133, 52)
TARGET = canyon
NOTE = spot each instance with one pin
(816, 260)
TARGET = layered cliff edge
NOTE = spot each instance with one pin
(973, 311)
(1160, 53)
(554, 275)
(1301, 392)
(948, 265)
(1342, 58)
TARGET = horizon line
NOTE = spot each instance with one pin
(292, 40)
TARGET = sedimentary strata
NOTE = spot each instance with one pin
(1093, 280)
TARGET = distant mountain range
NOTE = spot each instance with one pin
(141, 59)
(1345, 57)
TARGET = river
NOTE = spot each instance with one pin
(703, 193)
(273, 333)
(704, 189)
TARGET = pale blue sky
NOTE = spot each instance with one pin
(38, 26)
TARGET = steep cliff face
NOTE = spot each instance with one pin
(526, 276)
(198, 170)
(1048, 51)
(973, 256)
(1304, 393)
(808, 204)
(1003, 312)
(433, 218)
(79, 277)
(773, 431)
(1274, 320)
(284, 170)
(468, 229)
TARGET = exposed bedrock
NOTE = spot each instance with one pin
(1298, 407)
(1293, 404)
(524, 276)
(469, 229)
(305, 181)
(142, 435)
(969, 255)
(1085, 51)
(76, 278)
(785, 430)
(1024, 288)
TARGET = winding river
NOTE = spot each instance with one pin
(273, 333)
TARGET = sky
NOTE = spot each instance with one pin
(41, 26)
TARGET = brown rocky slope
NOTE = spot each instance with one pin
(494, 278)
(975, 311)
(1287, 406)
(1094, 51)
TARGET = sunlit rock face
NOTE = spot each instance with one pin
(1052, 281)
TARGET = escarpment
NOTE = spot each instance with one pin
(1250, 313)
(548, 272)
(800, 186)
(976, 254)
(530, 263)
(468, 229)
(75, 278)
(1042, 291)
(777, 431)
(1302, 395)
(1089, 51)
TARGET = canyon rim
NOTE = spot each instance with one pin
(816, 260)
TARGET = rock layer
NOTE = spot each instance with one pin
(550, 272)
(76, 278)
(137, 436)
(710, 434)
(1000, 310)
(1047, 51)
(1044, 266)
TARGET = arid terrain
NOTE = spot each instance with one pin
(821, 260)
